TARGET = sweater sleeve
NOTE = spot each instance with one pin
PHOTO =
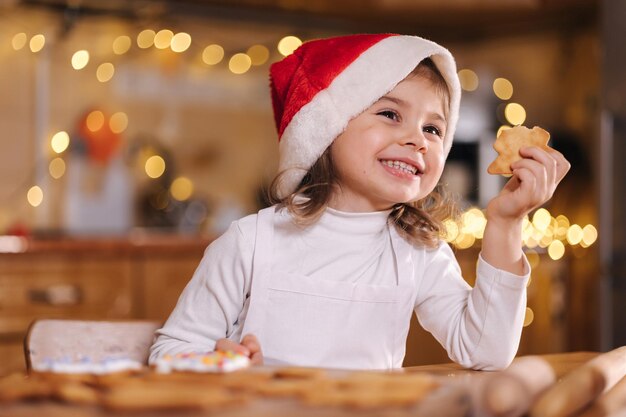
(479, 327)
(210, 305)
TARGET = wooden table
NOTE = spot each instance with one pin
(450, 399)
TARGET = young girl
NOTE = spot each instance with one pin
(330, 275)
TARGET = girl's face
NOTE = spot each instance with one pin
(393, 152)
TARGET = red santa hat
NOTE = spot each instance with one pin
(325, 83)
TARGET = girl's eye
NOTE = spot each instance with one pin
(390, 114)
(433, 130)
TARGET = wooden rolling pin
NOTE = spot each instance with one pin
(610, 402)
(582, 386)
(511, 393)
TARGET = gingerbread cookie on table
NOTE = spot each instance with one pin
(509, 143)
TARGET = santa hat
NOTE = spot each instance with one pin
(325, 83)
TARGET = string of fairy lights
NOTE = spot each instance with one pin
(543, 232)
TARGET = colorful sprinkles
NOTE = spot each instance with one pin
(202, 362)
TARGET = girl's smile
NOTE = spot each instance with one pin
(402, 169)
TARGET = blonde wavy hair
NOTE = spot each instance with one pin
(419, 222)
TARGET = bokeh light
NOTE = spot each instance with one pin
(239, 63)
(155, 166)
(180, 42)
(163, 38)
(502, 88)
(515, 113)
(35, 196)
(105, 72)
(60, 141)
(37, 42)
(56, 168)
(145, 39)
(213, 54)
(258, 54)
(121, 44)
(556, 250)
(80, 59)
(19, 41)
(468, 79)
(288, 44)
(181, 189)
(118, 122)
(95, 120)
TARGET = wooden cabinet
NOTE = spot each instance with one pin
(33, 286)
(163, 278)
(90, 279)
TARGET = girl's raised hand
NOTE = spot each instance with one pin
(249, 346)
(534, 180)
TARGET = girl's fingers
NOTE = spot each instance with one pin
(527, 186)
(228, 345)
(563, 165)
(252, 343)
(249, 347)
(542, 187)
(545, 159)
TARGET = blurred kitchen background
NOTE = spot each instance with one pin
(132, 132)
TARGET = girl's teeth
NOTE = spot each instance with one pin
(400, 166)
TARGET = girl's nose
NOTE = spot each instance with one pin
(416, 139)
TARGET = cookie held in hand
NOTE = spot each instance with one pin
(511, 141)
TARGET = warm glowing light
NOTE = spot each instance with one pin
(60, 141)
(473, 222)
(590, 235)
(213, 54)
(502, 129)
(515, 113)
(121, 45)
(451, 229)
(145, 39)
(180, 42)
(545, 241)
(35, 196)
(37, 43)
(19, 41)
(574, 234)
(528, 317)
(95, 120)
(556, 250)
(541, 219)
(181, 189)
(464, 241)
(562, 227)
(259, 54)
(239, 63)
(118, 122)
(163, 38)
(155, 166)
(531, 242)
(468, 79)
(56, 168)
(80, 59)
(288, 44)
(105, 72)
(502, 88)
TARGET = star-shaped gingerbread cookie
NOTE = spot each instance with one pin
(511, 141)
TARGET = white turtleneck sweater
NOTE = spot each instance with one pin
(479, 327)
